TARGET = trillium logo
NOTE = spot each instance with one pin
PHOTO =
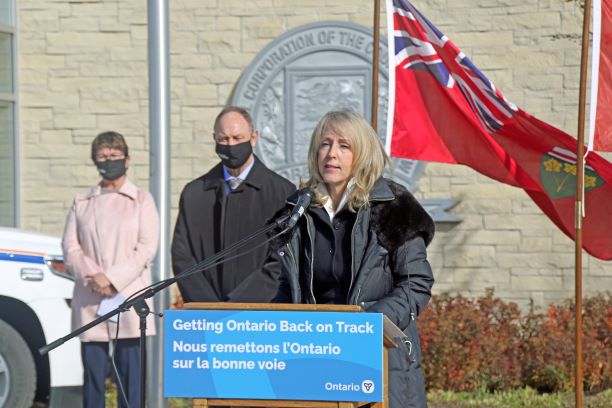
(367, 386)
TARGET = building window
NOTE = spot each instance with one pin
(6, 12)
(7, 166)
(8, 152)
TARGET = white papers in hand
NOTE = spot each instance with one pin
(110, 304)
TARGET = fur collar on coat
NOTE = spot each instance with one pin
(401, 219)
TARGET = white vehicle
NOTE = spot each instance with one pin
(35, 296)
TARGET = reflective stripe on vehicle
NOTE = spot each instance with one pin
(21, 256)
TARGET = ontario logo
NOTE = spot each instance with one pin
(558, 174)
(367, 386)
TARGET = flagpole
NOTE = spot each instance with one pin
(376, 50)
(579, 193)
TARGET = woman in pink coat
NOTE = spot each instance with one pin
(109, 242)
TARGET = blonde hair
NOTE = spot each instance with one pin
(369, 157)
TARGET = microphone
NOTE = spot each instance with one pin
(304, 198)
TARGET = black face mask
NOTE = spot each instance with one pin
(111, 169)
(234, 156)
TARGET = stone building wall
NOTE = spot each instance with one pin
(83, 69)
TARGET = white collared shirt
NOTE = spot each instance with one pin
(328, 202)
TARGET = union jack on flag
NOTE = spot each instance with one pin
(419, 45)
(443, 109)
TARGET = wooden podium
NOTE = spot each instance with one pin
(389, 331)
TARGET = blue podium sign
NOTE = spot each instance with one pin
(288, 355)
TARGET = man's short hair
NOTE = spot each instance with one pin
(231, 108)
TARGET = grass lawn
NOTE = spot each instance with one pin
(525, 398)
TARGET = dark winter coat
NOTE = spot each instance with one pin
(211, 219)
(390, 274)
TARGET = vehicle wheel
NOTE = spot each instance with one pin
(17, 371)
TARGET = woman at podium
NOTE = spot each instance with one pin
(361, 241)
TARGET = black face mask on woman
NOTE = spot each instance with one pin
(234, 156)
(111, 169)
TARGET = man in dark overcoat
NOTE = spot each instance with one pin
(230, 202)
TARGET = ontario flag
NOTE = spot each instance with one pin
(600, 130)
(443, 109)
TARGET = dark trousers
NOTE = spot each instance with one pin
(96, 366)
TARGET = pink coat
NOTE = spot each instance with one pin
(115, 233)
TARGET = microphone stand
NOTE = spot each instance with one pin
(142, 309)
